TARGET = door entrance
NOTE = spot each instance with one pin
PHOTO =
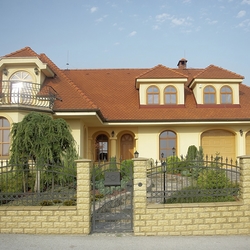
(127, 147)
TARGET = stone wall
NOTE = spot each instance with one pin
(219, 218)
(225, 218)
(52, 220)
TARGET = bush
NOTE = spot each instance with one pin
(126, 169)
(173, 165)
(192, 153)
(46, 203)
(213, 179)
(69, 203)
(195, 194)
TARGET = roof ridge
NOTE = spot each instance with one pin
(178, 72)
(21, 50)
(95, 69)
(60, 72)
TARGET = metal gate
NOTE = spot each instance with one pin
(112, 196)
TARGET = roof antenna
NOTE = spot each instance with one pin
(67, 60)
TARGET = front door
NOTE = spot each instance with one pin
(127, 147)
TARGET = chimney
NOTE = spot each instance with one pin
(182, 64)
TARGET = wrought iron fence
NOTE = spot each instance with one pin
(182, 181)
(27, 94)
(33, 184)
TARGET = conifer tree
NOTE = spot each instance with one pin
(40, 138)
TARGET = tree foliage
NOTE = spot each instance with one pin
(41, 138)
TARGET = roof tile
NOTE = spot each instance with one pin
(161, 71)
(215, 72)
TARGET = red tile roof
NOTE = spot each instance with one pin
(215, 72)
(162, 72)
(113, 93)
(25, 52)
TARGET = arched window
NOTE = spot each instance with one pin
(167, 143)
(170, 95)
(102, 147)
(226, 95)
(152, 95)
(209, 95)
(4, 137)
(21, 87)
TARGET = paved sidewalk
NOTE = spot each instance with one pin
(121, 242)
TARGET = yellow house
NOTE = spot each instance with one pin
(115, 112)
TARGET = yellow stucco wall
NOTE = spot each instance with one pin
(146, 137)
(77, 130)
(187, 135)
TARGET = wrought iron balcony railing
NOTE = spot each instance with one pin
(14, 94)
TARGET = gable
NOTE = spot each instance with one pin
(215, 74)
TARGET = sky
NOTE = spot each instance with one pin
(79, 34)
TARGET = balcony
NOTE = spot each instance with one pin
(26, 95)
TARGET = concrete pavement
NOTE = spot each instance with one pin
(122, 241)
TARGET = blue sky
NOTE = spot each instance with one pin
(131, 33)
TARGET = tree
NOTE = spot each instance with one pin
(40, 138)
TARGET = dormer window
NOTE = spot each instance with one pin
(170, 95)
(153, 95)
(226, 95)
(209, 95)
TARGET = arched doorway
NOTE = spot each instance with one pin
(101, 146)
(127, 147)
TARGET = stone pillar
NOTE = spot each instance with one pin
(245, 179)
(84, 194)
(140, 194)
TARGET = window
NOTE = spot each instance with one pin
(170, 95)
(153, 95)
(167, 143)
(209, 95)
(226, 95)
(21, 87)
(4, 137)
(102, 147)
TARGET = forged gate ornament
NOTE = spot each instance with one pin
(112, 179)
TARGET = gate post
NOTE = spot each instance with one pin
(245, 179)
(84, 194)
(140, 194)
